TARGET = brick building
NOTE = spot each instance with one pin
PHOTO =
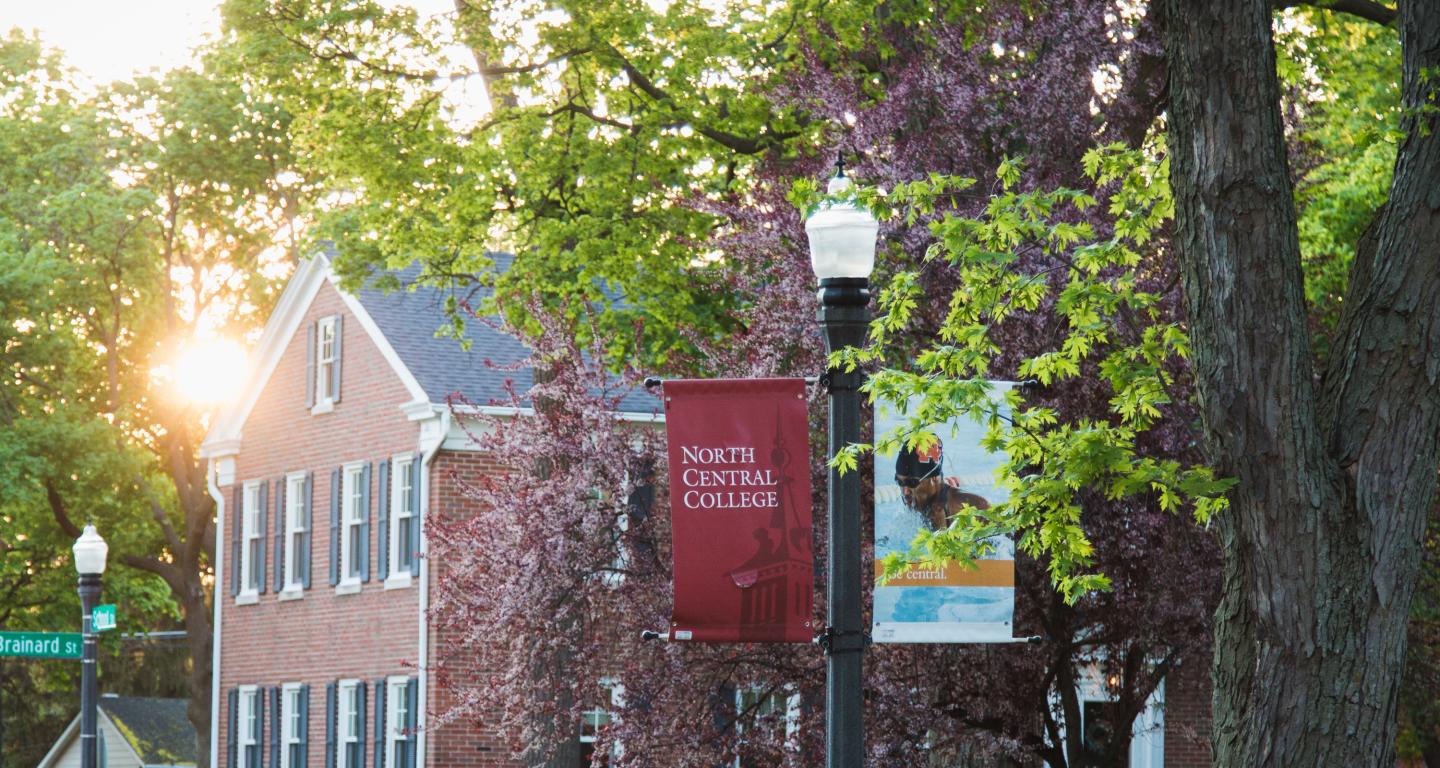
(323, 472)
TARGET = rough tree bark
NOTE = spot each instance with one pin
(1336, 479)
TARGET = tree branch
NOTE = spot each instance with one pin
(59, 512)
(742, 144)
(1364, 9)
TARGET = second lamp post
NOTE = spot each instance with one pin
(842, 252)
(90, 551)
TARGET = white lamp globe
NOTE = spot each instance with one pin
(842, 235)
(90, 551)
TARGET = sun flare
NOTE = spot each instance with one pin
(207, 372)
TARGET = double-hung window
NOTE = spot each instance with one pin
(399, 722)
(774, 712)
(353, 513)
(292, 726)
(248, 743)
(251, 538)
(594, 720)
(403, 495)
(296, 545)
(326, 353)
(351, 740)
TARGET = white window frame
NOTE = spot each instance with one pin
(247, 720)
(396, 689)
(352, 516)
(598, 717)
(324, 364)
(347, 730)
(289, 721)
(294, 513)
(1147, 733)
(400, 502)
(786, 696)
(250, 537)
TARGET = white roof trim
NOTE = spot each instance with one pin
(58, 748)
(510, 410)
(224, 437)
(71, 734)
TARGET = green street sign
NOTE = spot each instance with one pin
(41, 645)
(102, 618)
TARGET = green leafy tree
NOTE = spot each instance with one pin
(133, 221)
(600, 126)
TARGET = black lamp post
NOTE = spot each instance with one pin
(842, 252)
(90, 551)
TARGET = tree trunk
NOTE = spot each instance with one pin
(199, 639)
(1321, 543)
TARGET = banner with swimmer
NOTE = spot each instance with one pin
(739, 455)
(917, 490)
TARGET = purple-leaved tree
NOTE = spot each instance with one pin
(562, 565)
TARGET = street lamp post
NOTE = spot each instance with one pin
(90, 551)
(842, 252)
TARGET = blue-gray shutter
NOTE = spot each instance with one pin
(304, 558)
(335, 369)
(412, 694)
(330, 691)
(302, 758)
(360, 723)
(382, 536)
(275, 714)
(280, 522)
(365, 522)
(414, 532)
(237, 511)
(257, 569)
(310, 365)
(102, 758)
(257, 755)
(335, 490)
(230, 744)
(380, 704)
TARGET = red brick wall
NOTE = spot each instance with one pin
(466, 742)
(323, 636)
(1187, 714)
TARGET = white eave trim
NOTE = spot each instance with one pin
(510, 410)
(214, 449)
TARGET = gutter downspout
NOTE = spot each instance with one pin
(422, 693)
(219, 600)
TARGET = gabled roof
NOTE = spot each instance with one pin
(411, 318)
(404, 325)
(157, 729)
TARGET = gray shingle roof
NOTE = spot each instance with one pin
(157, 729)
(410, 318)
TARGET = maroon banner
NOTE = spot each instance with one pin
(740, 510)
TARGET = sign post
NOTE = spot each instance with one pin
(41, 645)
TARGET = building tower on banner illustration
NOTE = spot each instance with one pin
(777, 582)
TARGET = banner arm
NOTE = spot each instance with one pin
(652, 382)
